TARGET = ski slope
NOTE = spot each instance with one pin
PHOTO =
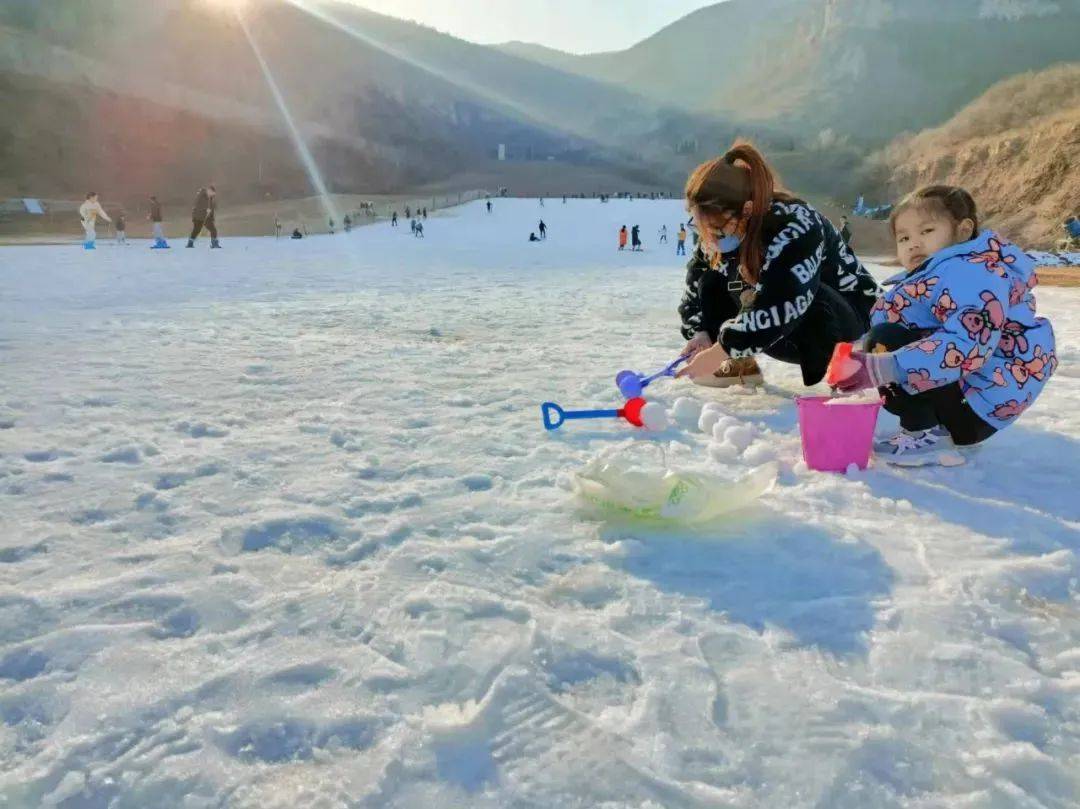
(280, 527)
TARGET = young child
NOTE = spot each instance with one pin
(955, 346)
(121, 229)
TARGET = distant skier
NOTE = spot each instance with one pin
(277, 228)
(412, 226)
(541, 202)
(156, 218)
(393, 220)
(425, 214)
(680, 248)
(331, 226)
(635, 238)
(543, 230)
(419, 230)
(622, 238)
(89, 211)
(489, 206)
(121, 229)
(408, 212)
(663, 234)
(203, 215)
(348, 223)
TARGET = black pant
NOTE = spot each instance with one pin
(199, 224)
(945, 406)
(829, 320)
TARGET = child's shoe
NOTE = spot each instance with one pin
(919, 448)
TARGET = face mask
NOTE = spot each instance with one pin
(729, 244)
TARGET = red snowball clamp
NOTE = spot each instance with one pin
(841, 365)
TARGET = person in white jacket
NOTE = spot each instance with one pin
(89, 211)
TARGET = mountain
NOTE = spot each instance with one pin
(1016, 148)
(148, 95)
(865, 69)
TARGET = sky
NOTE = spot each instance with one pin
(578, 26)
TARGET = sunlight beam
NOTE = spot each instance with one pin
(438, 71)
(302, 151)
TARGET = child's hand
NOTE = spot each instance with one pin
(699, 342)
(868, 371)
(705, 363)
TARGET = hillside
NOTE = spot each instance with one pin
(866, 69)
(1016, 148)
(129, 97)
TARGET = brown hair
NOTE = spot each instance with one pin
(723, 185)
(946, 200)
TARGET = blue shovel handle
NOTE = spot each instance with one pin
(554, 416)
(668, 371)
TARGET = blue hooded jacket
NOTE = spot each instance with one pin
(976, 304)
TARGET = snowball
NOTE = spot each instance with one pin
(760, 452)
(654, 417)
(708, 420)
(686, 410)
(739, 436)
(721, 426)
(723, 452)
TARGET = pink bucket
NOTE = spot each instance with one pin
(836, 436)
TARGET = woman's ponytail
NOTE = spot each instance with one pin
(762, 191)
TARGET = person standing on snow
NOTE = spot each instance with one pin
(393, 220)
(543, 229)
(121, 229)
(156, 218)
(845, 230)
(89, 211)
(635, 238)
(348, 223)
(663, 234)
(203, 215)
(680, 248)
(622, 237)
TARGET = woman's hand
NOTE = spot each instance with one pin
(705, 363)
(699, 342)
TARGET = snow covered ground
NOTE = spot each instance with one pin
(279, 527)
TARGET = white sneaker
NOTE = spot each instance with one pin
(919, 448)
